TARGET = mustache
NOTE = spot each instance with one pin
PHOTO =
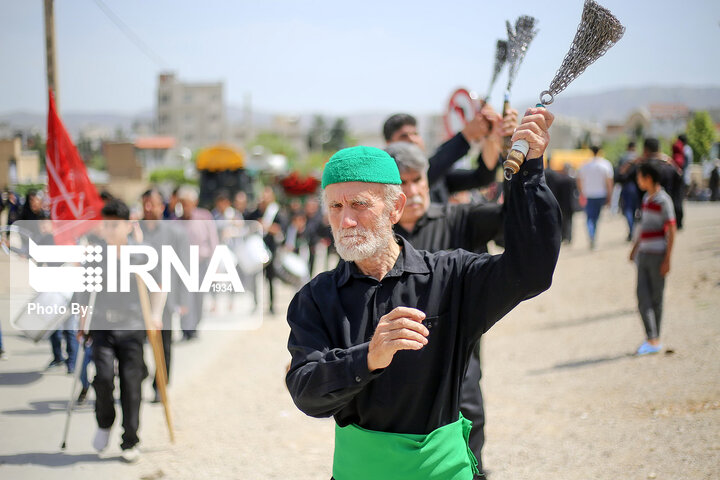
(352, 231)
(415, 200)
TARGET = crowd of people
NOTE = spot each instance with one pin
(442, 208)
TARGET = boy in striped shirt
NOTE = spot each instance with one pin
(651, 251)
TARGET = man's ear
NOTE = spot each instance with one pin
(398, 208)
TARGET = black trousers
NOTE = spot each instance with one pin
(567, 217)
(471, 405)
(127, 347)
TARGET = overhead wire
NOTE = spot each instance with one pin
(130, 34)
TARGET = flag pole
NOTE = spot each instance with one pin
(156, 343)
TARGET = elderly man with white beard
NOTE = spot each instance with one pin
(382, 341)
(435, 227)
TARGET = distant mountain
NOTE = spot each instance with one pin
(74, 121)
(612, 106)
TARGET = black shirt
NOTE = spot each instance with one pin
(444, 180)
(332, 320)
(444, 227)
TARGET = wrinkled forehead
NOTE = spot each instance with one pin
(347, 191)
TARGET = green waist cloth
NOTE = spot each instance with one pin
(443, 454)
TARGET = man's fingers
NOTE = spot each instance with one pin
(407, 312)
(407, 334)
(547, 116)
(405, 344)
(536, 119)
(522, 134)
(533, 127)
(403, 322)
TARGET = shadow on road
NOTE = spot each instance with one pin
(589, 319)
(44, 407)
(579, 364)
(53, 459)
(19, 378)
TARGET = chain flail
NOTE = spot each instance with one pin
(519, 39)
(598, 31)
(501, 50)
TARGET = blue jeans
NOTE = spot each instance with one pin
(83, 369)
(629, 196)
(67, 330)
(592, 210)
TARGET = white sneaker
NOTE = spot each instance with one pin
(131, 455)
(102, 437)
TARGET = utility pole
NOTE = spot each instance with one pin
(50, 57)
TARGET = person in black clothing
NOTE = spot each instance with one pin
(670, 175)
(273, 222)
(382, 341)
(315, 228)
(435, 227)
(715, 182)
(442, 178)
(630, 193)
(563, 188)
(117, 332)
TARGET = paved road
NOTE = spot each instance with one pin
(564, 398)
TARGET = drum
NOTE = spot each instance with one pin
(43, 314)
(292, 269)
(252, 254)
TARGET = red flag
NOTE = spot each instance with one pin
(72, 195)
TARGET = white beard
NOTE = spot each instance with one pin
(358, 243)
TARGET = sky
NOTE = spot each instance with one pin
(334, 56)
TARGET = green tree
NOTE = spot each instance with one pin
(175, 176)
(315, 162)
(701, 134)
(275, 143)
(36, 143)
(338, 134)
(84, 147)
(613, 149)
(317, 135)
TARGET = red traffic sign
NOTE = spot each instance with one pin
(461, 109)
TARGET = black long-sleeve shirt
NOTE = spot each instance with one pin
(443, 180)
(332, 320)
(444, 227)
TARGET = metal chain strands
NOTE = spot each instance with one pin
(519, 39)
(598, 31)
(501, 51)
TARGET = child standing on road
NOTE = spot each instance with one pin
(651, 251)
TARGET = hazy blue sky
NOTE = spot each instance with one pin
(334, 56)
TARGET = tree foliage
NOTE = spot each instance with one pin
(176, 176)
(276, 144)
(701, 134)
(338, 134)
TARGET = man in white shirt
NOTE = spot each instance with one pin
(595, 183)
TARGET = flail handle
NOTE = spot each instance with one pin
(516, 156)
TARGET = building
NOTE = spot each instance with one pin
(663, 120)
(193, 113)
(17, 165)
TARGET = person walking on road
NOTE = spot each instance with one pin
(651, 252)
(595, 182)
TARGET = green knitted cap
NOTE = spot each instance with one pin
(361, 164)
